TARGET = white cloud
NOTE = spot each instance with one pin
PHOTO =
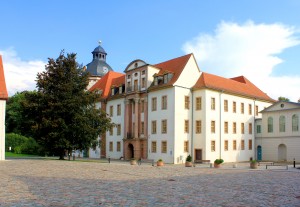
(248, 49)
(20, 75)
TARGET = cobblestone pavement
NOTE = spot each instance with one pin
(68, 183)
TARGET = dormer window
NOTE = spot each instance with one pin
(155, 81)
(99, 92)
(135, 65)
(165, 78)
(120, 89)
(112, 91)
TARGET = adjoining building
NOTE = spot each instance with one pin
(3, 99)
(171, 109)
(277, 132)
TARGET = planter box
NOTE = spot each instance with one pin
(188, 164)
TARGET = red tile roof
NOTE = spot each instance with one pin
(3, 91)
(109, 79)
(238, 85)
(174, 66)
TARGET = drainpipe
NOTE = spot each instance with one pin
(254, 131)
(192, 128)
(220, 123)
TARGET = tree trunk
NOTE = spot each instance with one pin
(62, 155)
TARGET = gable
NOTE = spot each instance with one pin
(3, 90)
(282, 106)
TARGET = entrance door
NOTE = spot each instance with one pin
(198, 154)
(282, 152)
(131, 151)
(259, 152)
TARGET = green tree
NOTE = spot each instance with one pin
(62, 114)
(281, 98)
(15, 120)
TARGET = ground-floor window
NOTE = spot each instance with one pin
(213, 145)
(186, 146)
(118, 146)
(250, 144)
(111, 146)
(163, 146)
(234, 145)
(153, 147)
(242, 144)
(226, 145)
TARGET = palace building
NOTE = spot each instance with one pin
(172, 109)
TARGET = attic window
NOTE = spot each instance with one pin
(135, 65)
(143, 72)
(112, 91)
(135, 74)
(165, 78)
(120, 89)
(128, 76)
(99, 92)
(155, 81)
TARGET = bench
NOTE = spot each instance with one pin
(146, 161)
(286, 166)
(201, 162)
(265, 163)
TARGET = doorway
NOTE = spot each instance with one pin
(131, 151)
(259, 152)
(282, 152)
(198, 154)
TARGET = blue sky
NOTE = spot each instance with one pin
(257, 39)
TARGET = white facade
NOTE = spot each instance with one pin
(2, 129)
(279, 137)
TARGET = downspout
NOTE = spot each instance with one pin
(192, 128)
(220, 124)
(254, 131)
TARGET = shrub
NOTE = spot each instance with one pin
(160, 160)
(189, 158)
(219, 161)
(21, 144)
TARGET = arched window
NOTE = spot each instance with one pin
(282, 124)
(270, 124)
(295, 123)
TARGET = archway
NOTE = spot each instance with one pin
(259, 152)
(282, 152)
(131, 151)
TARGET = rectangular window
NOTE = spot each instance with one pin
(226, 127)
(234, 107)
(242, 128)
(242, 108)
(213, 146)
(111, 146)
(164, 102)
(187, 102)
(164, 126)
(242, 144)
(186, 126)
(118, 146)
(186, 146)
(234, 145)
(226, 105)
(118, 109)
(111, 131)
(213, 127)
(111, 111)
(198, 103)
(250, 109)
(153, 127)
(256, 110)
(250, 144)
(198, 126)
(250, 128)
(234, 128)
(142, 106)
(163, 146)
(143, 82)
(119, 129)
(153, 146)
(258, 128)
(142, 127)
(213, 104)
(226, 145)
(154, 103)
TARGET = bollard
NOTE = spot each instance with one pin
(108, 159)
(294, 163)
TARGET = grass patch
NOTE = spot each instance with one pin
(11, 154)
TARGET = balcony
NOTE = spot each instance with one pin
(135, 88)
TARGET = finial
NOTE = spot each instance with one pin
(99, 42)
